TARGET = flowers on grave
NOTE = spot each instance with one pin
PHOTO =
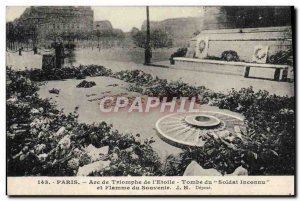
(65, 142)
(73, 163)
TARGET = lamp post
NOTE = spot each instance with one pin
(147, 45)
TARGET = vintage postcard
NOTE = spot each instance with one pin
(149, 100)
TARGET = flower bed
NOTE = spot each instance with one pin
(270, 144)
(66, 73)
(42, 140)
(156, 87)
(268, 149)
(135, 76)
(163, 88)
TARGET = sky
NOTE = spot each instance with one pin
(125, 17)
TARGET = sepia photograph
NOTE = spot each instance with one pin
(150, 100)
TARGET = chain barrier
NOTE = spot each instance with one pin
(18, 51)
(10, 51)
(44, 50)
(27, 50)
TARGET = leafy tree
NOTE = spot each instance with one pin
(134, 31)
(158, 39)
(105, 38)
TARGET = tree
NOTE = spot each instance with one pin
(53, 36)
(10, 35)
(158, 39)
(107, 37)
(134, 31)
(18, 34)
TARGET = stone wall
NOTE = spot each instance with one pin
(244, 41)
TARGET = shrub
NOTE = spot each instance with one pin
(158, 39)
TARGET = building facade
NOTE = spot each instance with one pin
(49, 20)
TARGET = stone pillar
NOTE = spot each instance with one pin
(48, 61)
(214, 18)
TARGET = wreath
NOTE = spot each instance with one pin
(260, 54)
(202, 46)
